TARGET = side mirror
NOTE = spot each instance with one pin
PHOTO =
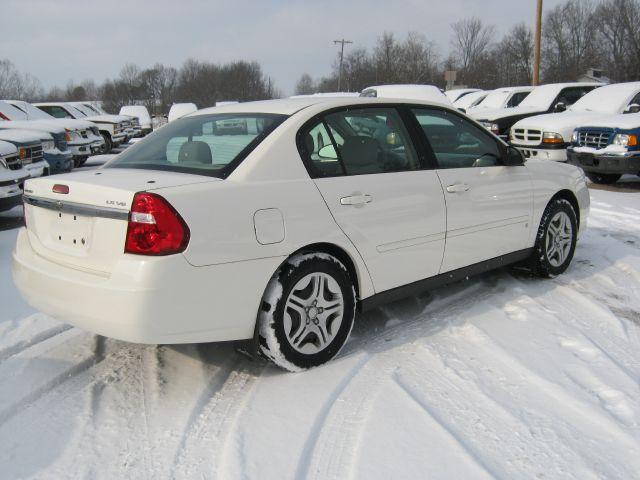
(560, 107)
(633, 108)
(514, 157)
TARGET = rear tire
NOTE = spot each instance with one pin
(603, 178)
(307, 312)
(556, 239)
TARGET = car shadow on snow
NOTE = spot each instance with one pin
(11, 219)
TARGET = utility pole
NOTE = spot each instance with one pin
(342, 44)
(538, 41)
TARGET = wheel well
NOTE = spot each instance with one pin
(571, 198)
(339, 253)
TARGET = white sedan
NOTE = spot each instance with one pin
(280, 233)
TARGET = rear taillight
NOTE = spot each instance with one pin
(155, 228)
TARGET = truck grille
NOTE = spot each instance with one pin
(13, 162)
(526, 136)
(593, 139)
(34, 154)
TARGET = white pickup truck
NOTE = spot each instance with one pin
(30, 151)
(112, 129)
(12, 176)
(132, 126)
(548, 136)
(83, 137)
(553, 97)
(501, 98)
(140, 113)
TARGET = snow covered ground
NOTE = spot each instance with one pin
(504, 376)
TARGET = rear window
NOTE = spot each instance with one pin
(210, 145)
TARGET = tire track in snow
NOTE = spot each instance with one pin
(492, 435)
(204, 439)
(36, 339)
(512, 385)
(55, 382)
(311, 443)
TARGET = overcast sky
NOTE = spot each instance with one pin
(60, 40)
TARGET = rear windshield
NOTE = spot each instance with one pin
(210, 145)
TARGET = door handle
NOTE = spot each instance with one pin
(458, 188)
(356, 200)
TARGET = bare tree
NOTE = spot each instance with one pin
(14, 85)
(471, 43)
(568, 40)
(514, 57)
(305, 85)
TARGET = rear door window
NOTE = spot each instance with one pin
(360, 141)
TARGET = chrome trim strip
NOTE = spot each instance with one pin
(76, 208)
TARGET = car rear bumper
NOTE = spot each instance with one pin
(614, 164)
(147, 300)
(551, 154)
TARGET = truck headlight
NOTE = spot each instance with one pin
(49, 145)
(624, 140)
(3, 163)
(574, 137)
(551, 138)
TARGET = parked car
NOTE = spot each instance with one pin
(179, 110)
(556, 97)
(192, 235)
(113, 130)
(607, 149)
(427, 93)
(83, 137)
(54, 137)
(141, 113)
(457, 93)
(130, 124)
(12, 176)
(30, 151)
(469, 101)
(548, 136)
(501, 98)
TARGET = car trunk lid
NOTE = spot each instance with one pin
(86, 228)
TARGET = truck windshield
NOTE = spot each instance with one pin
(210, 145)
(541, 97)
(610, 99)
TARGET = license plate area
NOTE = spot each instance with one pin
(70, 232)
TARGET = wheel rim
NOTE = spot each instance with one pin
(559, 239)
(313, 313)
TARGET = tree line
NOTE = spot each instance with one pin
(157, 87)
(577, 35)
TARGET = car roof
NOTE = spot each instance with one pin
(289, 106)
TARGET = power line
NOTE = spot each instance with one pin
(342, 43)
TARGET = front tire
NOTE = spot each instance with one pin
(108, 145)
(603, 178)
(556, 239)
(307, 312)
